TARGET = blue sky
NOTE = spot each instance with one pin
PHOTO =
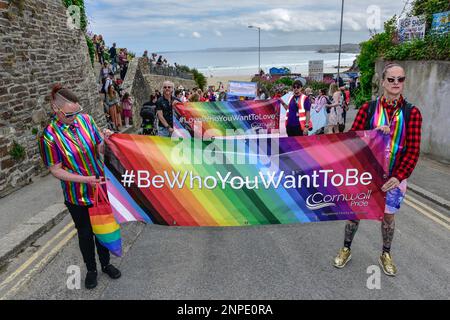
(185, 25)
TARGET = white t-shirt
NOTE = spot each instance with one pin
(108, 82)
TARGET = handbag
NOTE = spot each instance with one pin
(104, 224)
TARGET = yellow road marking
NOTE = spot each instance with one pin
(442, 223)
(428, 208)
(39, 265)
(36, 255)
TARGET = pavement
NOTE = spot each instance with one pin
(272, 262)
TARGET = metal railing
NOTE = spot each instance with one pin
(170, 72)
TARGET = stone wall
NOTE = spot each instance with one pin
(428, 87)
(140, 83)
(37, 50)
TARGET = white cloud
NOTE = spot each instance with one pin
(158, 22)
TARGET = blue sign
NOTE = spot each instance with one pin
(441, 22)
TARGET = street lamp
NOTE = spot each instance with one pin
(259, 46)
(340, 43)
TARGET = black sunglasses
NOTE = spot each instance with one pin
(297, 86)
(400, 79)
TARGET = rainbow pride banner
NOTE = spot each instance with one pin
(215, 118)
(241, 181)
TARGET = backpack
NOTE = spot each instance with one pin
(344, 103)
(328, 102)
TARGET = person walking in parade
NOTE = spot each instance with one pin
(164, 111)
(298, 112)
(393, 115)
(113, 56)
(69, 147)
(335, 114)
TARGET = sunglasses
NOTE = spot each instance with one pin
(296, 87)
(167, 87)
(71, 114)
(400, 79)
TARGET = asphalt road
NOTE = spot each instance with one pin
(270, 262)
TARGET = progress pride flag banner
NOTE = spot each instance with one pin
(229, 118)
(241, 182)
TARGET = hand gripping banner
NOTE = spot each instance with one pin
(241, 181)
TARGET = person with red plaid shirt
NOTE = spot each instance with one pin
(391, 104)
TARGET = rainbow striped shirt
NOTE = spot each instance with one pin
(74, 146)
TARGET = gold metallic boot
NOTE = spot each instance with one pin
(387, 264)
(342, 258)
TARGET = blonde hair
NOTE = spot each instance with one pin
(333, 88)
(390, 66)
(168, 82)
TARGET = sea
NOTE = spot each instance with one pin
(231, 63)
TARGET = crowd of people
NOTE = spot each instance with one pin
(80, 169)
(118, 105)
(118, 57)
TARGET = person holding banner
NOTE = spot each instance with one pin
(393, 115)
(298, 112)
(164, 111)
(69, 147)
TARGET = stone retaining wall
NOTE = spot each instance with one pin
(37, 50)
(140, 83)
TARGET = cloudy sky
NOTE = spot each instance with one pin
(198, 24)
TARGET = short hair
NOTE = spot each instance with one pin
(66, 93)
(389, 66)
(298, 83)
(169, 82)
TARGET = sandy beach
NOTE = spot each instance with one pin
(215, 80)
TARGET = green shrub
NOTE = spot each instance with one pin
(91, 49)
(17, 151)
(199, 78)
(317, 85)
(286, 81)
(428, 8)
(385, 46)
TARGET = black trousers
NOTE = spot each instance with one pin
(294, 131)
(87, 240)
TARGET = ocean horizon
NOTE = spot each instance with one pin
(245, 63)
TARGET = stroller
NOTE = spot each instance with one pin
(109, 122)
(148, 115)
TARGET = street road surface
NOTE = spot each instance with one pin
(269, 262)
